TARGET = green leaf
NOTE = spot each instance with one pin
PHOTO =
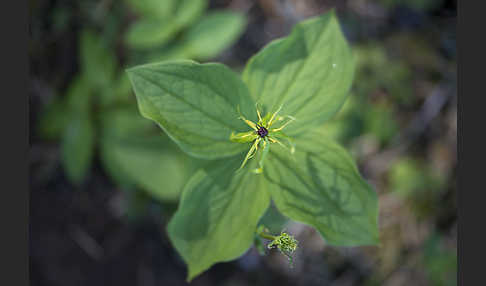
(153, 8)
(98, 63)
(149, 33)
(56, 116)
(206, 39)
(212, 34)
(189, 11)
(77, 147)
(309, 73)
(218, 215)
(79, 95)
(320, 185)
(195, 104)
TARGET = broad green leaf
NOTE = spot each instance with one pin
(98, 63)
(212, 34)
(149, 33)
(320, 185)
(188, 11)
(159, 9)
(309, 73)
(195, 104)
(135, 153)
(77, 147)
(218, 214)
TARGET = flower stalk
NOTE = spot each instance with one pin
(284, 242)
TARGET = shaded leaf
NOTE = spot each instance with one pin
(320, 185)
(217, 215)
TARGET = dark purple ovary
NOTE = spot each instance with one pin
(262, 132)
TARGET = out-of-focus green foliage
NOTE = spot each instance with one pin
(362, 117)
(410, 176)
(377, 71)
(206, 38)
(440, 263)
(415, 181)
(99, 112)
(135, 151)
(160, 21)
(181, 30)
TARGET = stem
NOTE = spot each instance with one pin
(266, 235)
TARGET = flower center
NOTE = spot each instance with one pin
(262, 131)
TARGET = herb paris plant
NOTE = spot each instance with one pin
(206, 109)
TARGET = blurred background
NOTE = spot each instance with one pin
(104, 181)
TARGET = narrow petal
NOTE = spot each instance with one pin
(283, 126)
(243, 137)
(273, 116)
(250, 153)
(249, 122)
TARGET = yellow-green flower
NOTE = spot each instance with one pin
(263, 134)
(286, 244)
